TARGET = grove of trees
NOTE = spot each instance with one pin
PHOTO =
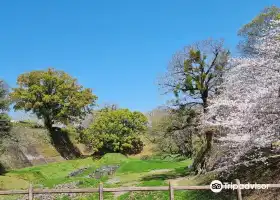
(56, 98)
(225, 109)
(236, 100)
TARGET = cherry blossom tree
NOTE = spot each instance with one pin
(246, 112)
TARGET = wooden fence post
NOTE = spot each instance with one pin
(238, 191)
(30, 192)
(100, 191)
(171, 191)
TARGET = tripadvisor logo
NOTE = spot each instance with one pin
(216, 186)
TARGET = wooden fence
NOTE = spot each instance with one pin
(101, 190)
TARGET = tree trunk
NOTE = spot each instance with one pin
(202, 157)
(48, 123)
(205, 104)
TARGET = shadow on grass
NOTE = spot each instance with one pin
(177, 173)
(63, 144)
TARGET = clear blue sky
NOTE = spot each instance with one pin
(117, 48)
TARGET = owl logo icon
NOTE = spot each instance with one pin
(216, 186)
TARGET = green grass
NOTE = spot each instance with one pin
(137, 166)
(62, 169)
(55, 173)
(113, 158)
(51, 174)
(52, 170)
(7, 182)
(132, 171)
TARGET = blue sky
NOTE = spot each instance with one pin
(117, 48)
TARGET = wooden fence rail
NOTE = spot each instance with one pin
(31, 191)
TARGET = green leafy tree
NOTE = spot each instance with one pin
(195, 72)
(174, 132)
(193, 76)
(159, 121)
(53, 96)
(254, 29)
(4, 100)
(116, 130)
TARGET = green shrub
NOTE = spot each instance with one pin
(116, 131)
(6, 125)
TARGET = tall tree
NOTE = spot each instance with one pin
(252, 31)
(195, 72)
(193, 76)
(4, 100)
(248, 106)
(53, 96)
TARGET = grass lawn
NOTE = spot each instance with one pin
(132, 172)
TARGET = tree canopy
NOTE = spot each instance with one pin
(53, 96)
(247, 109)
(116, 130)
(255, 29)
(4, 100)
(173, 132)
(194, 72)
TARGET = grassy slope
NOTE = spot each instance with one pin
(132, 172)
(26, 141)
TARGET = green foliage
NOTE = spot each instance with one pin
(4, 107)
(5, 116)
(159, 135)
(174, 133)
(116, 131)
(53, 96)
(194, 76)
(253, 29)
(4, 101)
(195, 72)
(199, 73)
